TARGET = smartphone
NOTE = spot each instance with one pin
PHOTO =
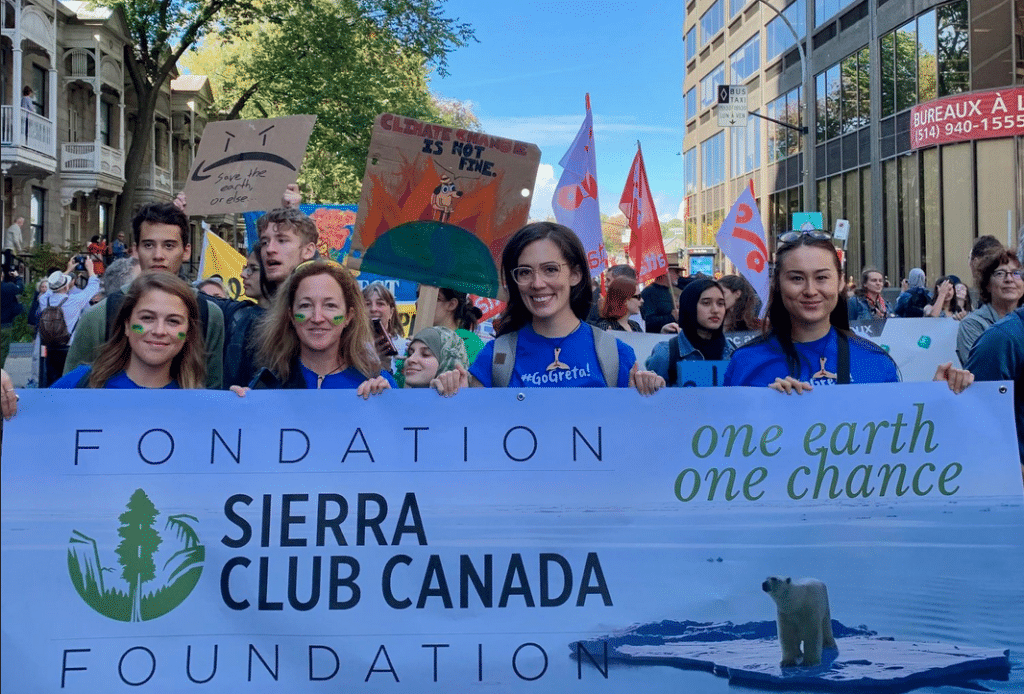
(384, 343)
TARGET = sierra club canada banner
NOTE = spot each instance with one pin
(418, 543)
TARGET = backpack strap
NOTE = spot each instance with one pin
(83, 382)
(504, 359)
(674, 355)
(607, 348)
(843, 357)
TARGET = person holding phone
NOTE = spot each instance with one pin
(317, 335)
(389, 338)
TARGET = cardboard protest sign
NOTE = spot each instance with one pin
(439, 203)
(514, 542)
(244, 165)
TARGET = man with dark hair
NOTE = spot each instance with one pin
(160, 231)
(659, 308)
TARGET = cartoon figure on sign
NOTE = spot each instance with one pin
(443, 198)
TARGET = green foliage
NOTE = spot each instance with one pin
(344, 62)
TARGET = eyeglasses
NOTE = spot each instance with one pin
(524, 274)
(247, 271)
(1000, 275)
(817, 234)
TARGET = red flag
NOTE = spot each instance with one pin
(646, 248)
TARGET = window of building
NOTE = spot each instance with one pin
(711, 22)
(746, 59)
(708, 86)
(103, 212)
(784, 141)
(827, 9)
(106, 118)
(40, 86)
(690, 171)
(745, 147)
(906, 65)
(691, 103)
(927, 76)
(735, 6)
(953, 49)
(690, 44)
(712, 157)
(37, 214)
(777, 35)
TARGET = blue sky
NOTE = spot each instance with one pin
(535, 61)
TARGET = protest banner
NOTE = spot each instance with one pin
(575, 203)
(438, 203)
(220, 259)
(335, 224)
(244, 165)
(509, 540)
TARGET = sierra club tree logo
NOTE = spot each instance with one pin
(139, 554)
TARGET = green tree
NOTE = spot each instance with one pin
(161, 31)
(139, 542)
(344, 61)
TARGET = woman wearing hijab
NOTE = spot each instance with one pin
(433, 351)
(701, 313)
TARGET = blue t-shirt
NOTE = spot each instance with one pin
(534, 353)
(350, 378)
(119, 380)
(760, 363)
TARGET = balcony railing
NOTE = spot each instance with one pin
(25, 128)
(155, 178)
(91, 157)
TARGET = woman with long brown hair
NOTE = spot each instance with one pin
(807, 340)
(157, 341)
(317, 335)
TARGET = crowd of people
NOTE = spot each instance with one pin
(311, 325)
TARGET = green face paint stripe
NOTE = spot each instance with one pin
(181, 336)
(138, 328)
(301, 317)
(338, 320)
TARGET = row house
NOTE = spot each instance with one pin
(67, 117)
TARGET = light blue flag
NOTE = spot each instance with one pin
(575, 200)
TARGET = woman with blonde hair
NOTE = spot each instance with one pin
(317, 335)
(158, 341)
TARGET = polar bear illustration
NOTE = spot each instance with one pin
(803, 617)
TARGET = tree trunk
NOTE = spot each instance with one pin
(135, 159)
(135, 595)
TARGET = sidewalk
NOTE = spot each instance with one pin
(19, 365)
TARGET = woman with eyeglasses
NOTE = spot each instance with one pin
(316, 335)
(1002, 290)
(620, 302)
(807, 341)
(543, 340)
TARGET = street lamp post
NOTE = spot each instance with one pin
(810, 200)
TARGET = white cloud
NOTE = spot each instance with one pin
(666, 217)
(543, 190)
(681, 214)
(560, 130)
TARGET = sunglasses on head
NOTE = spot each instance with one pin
(797, 234)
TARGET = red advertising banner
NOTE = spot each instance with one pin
(975, 116)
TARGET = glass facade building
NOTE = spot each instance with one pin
(908, 206)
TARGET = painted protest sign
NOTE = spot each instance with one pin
(478, 542)
(244, 165)
(438, 203)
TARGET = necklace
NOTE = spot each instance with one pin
(320, 379)
(557, 364)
